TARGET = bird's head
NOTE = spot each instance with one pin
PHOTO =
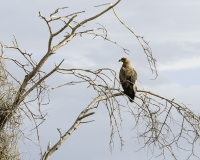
(124, 60)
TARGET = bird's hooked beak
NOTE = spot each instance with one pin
(120, 60)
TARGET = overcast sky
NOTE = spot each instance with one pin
(173, 29)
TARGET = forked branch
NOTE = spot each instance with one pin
(82, 115)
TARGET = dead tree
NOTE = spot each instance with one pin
(148, 110)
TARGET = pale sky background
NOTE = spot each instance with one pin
(173, 29)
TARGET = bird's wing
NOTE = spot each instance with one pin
(131, 78)
(122, 74)
(124, 78)
(134, 75)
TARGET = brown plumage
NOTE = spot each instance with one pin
(128, 79)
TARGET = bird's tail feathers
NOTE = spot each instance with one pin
(130, 96)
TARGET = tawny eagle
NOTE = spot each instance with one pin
(128, 78)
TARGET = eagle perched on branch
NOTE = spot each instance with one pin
(128, 78)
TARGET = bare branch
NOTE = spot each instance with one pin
(96, 16)
(82, 115)
(145, 46)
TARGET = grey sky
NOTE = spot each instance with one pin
(173, 29)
